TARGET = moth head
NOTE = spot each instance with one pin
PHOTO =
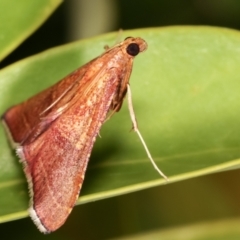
(135, 45)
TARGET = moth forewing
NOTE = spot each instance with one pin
(55, 130)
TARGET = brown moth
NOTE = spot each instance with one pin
(54, 131)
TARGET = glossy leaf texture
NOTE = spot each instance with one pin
(19, 19)
(186, 98)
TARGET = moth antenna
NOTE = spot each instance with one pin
(135, 128)
(119, 35)
(118, 39)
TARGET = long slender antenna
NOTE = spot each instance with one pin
(135, 128)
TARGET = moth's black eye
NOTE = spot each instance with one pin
(133, 49)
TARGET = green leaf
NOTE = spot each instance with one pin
(186, 99)
(19, 19)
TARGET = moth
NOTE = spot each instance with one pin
(54, 131)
